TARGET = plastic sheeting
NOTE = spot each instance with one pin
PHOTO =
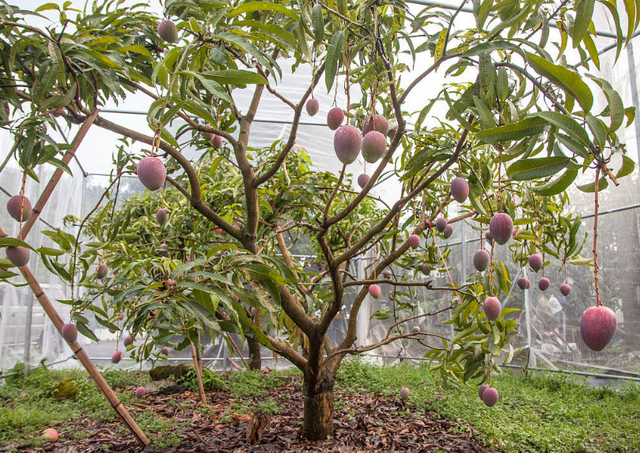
(549, 322)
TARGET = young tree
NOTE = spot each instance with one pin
(520, 126)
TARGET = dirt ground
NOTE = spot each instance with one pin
(363, 423)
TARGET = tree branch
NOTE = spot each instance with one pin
(195, 197)
(292, 135)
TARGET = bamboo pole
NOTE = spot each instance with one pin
(237, 350)
(81, 354)
(53, 182)
(196, 364)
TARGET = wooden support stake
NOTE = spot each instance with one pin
(44, 197)
(81, 354)
(196, 364)
(237, 350)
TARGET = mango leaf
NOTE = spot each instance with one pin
(614, 13)
(567, 124)
(212, 87)
(591, 187)
(440, 46)
(598, 130)
(616, 107)
(249, 7)
(486, 117)
(236, 77)
(13, 242)
(333, 57)
(569, 81)
(628, 165)
(528, 169)
(584, 12)
(515, 131)
(50, 251)
(203, 314)
(573, 146)
(487, 47)
(318, 23)
(137, 48)
(557, 185)
(273, 29)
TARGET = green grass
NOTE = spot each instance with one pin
(547, 412)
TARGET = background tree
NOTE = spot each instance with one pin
(520, 124)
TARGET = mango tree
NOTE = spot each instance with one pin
(517, 126)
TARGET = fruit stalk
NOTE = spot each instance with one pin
(595, 240)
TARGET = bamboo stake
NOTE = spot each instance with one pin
(53, 182)
(82, 355)
(196, 364)
(237, 350)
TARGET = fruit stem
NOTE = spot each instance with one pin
(595, 240)
(445, 264)
(499, 179)
(491, 269)
(24, 183)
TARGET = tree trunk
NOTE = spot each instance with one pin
(318, 410)
(255, 360)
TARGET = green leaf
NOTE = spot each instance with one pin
(630, 7)
(262, 6)
(50, 251)
(198, 110)
(574, 147)
(135, 48)
(318, 23)
(13, 242)
(487, 47)
(591, 47)
(201, 313)
(84, 330)
(453, 112)
(616, 107)
(567, 124)
(614, 13)
(47, 6)
(628, 165)
(486, 118)
(276, 30)
(528, 169)
(591, 187)
(515, 131)
(569, 81)
(212, 87)
(557, 185)
(584, 12)
(630, 113)
(598, 131)
(236, 77)
(333, 57)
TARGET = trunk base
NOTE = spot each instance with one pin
(318, 415)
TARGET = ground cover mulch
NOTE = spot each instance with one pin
(362, 423)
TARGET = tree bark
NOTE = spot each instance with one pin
(318, 409)
(255, 360)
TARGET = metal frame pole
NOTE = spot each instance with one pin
(634, 93)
